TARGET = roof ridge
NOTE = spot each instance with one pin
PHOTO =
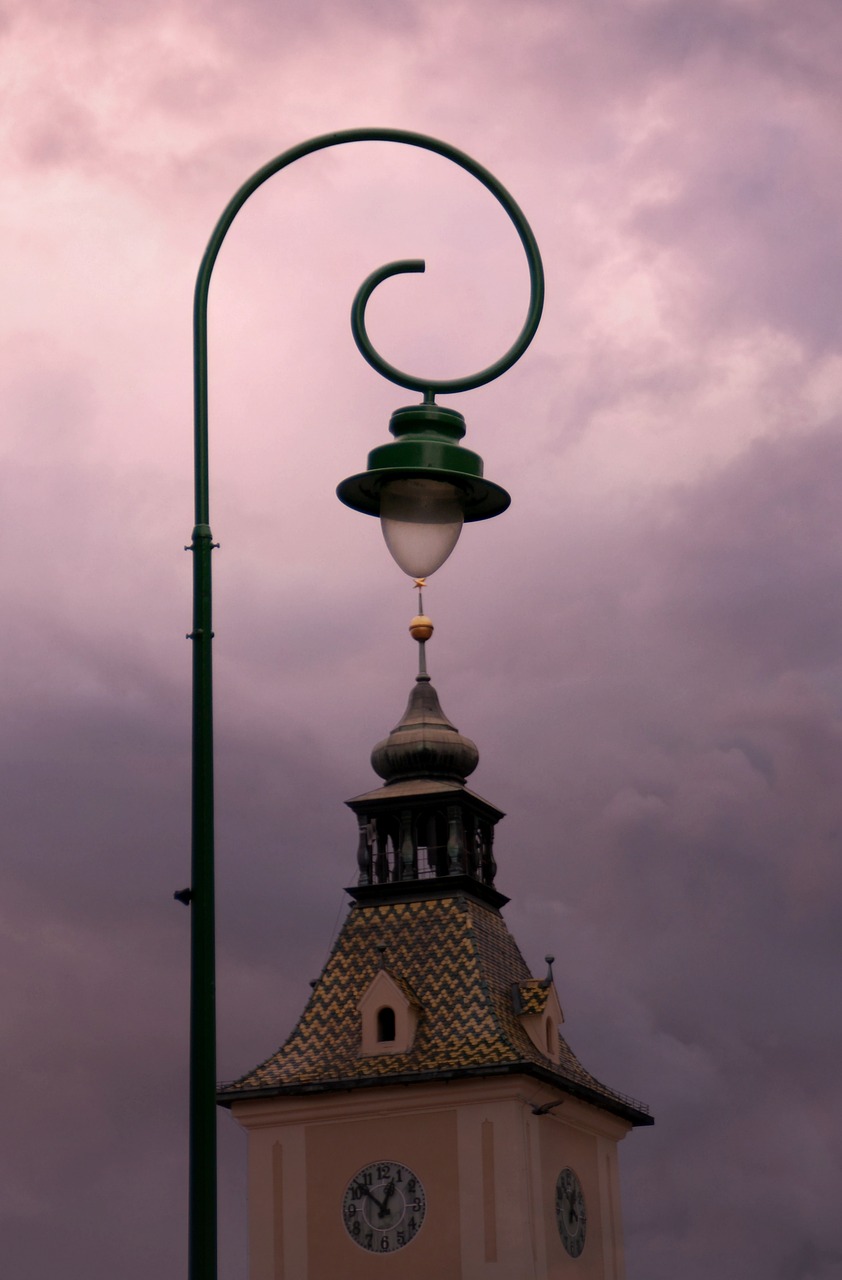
(402, 983)
(484, 981)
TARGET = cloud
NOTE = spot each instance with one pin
(645, 648)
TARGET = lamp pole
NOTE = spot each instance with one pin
(425, 452)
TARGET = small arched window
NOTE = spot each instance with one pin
(551, 1038)
(385, 1024)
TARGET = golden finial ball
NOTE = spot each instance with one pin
(421, 627)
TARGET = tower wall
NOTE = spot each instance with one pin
(487, 1162)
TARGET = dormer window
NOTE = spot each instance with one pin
(385, 1025)
(389, 1014)
(537, 1007)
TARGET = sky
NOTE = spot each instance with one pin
(647, 647)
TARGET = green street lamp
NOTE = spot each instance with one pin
(423, 485)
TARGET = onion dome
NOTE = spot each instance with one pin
(424, 744)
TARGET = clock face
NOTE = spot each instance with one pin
(570, 1212)
(383, 1207)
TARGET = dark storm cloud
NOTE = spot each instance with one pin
(760, 227)
(753, 557)
(646, 650)
(707, 857)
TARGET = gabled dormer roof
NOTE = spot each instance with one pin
(531, 996)
(390, 995)
(386, 982)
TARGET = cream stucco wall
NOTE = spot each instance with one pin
(488, 1164)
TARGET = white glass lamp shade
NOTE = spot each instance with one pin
(421, 522)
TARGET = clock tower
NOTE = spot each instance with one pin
(426, 1119)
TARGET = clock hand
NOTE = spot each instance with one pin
(390, 1191)
(361, 1187)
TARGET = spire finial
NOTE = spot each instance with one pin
(550, 961)
(421, 628)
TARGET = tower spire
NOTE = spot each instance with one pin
(424, 824)
(421, 629)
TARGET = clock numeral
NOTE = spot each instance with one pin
(383, 1170)
(384, 1244)
(368, 1240)
(401, 1237)
(410, 1186)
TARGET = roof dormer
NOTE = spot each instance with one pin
(389, 1014)
(537, 1006)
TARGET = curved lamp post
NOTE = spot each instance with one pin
(423, 485)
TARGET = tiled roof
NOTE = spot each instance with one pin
(532, 996)
(460, 962)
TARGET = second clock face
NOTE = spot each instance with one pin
(570, 1212)
(383, 1207)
